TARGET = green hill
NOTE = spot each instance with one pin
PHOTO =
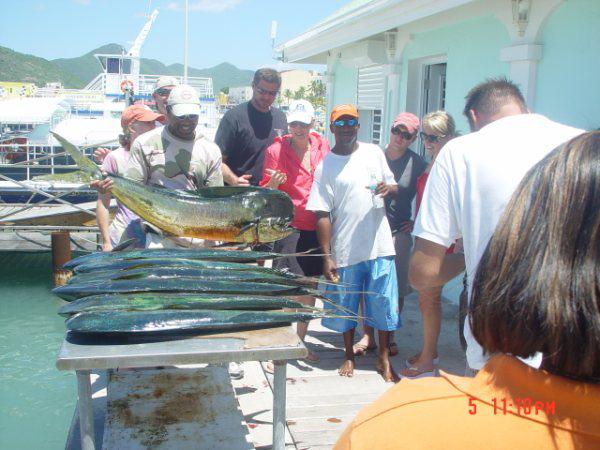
(86, 67)
(78, 72)
(15, 66)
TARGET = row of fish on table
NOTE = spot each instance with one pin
(158, 291)
(172, 290)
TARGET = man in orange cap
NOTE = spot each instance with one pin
(355, 235)
(135, 120)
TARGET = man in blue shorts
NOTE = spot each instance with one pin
(354, 233)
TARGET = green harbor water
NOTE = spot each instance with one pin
(36, 399)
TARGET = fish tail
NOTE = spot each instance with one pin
(91, 170)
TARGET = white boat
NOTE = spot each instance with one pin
(88, 117)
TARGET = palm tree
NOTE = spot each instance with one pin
(300, 94)
(288, 94)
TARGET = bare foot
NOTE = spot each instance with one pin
(363, 345)
(347, 369)
(384, 367)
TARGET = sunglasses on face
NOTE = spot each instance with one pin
(266, 91)
(163, 92)
(405, 134)
(345, 123)
(430, 137)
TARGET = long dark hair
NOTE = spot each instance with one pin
(537, 287)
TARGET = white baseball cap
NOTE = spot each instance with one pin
(166, 81)
(301, 111)
(184, 100)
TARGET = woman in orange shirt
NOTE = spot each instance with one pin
(537, 289)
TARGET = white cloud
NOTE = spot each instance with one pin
(213, 6)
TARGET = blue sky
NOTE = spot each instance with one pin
(236, 31)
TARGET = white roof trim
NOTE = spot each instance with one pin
(363, 22)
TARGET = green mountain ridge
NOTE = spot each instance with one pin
(21, 67)
(78, 72)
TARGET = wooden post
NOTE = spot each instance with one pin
(61, 253)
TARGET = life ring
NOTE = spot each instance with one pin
(126, 85)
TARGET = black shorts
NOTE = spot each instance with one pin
(297, 242)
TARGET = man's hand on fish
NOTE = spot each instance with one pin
(102, 186)
(276, 179)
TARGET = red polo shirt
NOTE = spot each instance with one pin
(281, 156)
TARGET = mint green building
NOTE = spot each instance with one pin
(388, 56)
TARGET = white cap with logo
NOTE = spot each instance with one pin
(300, 111)
(184, 100)
(165, 81)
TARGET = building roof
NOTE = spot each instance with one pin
(31, 109)
(358, 20)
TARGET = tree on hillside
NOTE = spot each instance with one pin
(225, 90)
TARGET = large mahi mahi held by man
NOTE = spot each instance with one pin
(228, 213)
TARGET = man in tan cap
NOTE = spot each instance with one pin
(176, 156)
(163, 88)
(355, 236)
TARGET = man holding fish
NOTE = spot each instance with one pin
(175, 156)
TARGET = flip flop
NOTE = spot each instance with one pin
(361, 349)
(414, 372)
(410, 361)
(393, 349)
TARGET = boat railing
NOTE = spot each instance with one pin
(144, 84)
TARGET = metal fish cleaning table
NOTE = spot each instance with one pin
(278, 344)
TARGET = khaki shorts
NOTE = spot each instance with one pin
(403, 243)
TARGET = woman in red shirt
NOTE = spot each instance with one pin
(289, 166)
(438, 128)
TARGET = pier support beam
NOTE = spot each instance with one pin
(61, 253)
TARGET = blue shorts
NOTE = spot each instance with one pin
(375, 278)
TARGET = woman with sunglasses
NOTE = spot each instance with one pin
(437, 129)
(536, 289)
(289, 165)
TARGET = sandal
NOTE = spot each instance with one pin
(361, 349)
(414, 372)
(393, 349)
(413, 359)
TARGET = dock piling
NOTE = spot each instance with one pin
(61, 253)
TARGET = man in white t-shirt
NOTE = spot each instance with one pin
(355, 236)
(471, 182)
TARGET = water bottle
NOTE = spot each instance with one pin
(377, 200)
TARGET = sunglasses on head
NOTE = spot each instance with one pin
(163, 92)
(430, 137)
(266, 91)
(345, 123)
(405, 134)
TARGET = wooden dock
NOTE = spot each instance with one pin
(320, 403)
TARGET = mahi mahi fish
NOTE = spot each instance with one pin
(227, 213)
(161, 300)
(119, 322)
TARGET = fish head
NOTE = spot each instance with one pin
(273, 228)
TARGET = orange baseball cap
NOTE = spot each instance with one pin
(141, 113)
(343, 110)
